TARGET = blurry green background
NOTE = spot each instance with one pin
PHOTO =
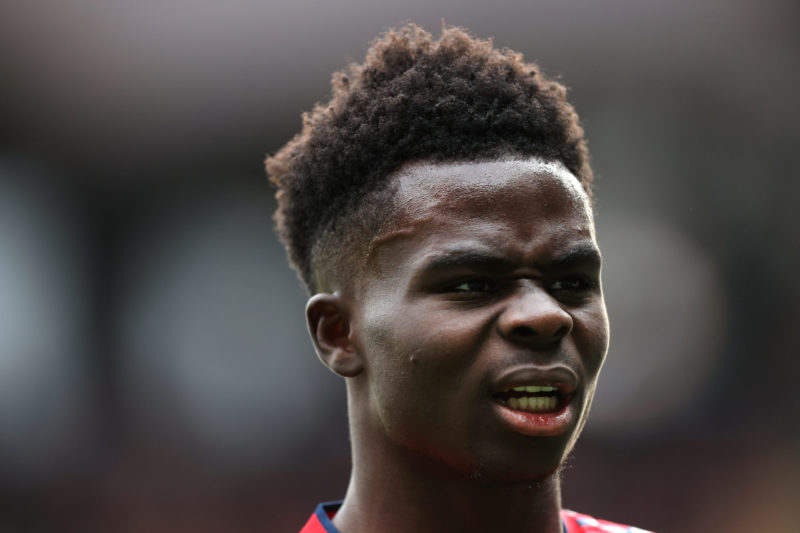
(155, 373)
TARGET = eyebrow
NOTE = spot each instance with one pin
(466, 257)
(582, 254)
(585, 253)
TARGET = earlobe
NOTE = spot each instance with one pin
(329, 326)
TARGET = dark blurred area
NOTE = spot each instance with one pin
(155, 373)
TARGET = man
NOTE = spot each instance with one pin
(438, 209)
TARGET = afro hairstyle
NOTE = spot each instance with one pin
(414, 98)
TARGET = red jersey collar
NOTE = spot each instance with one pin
(572, 522)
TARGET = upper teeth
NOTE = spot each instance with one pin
(534, 388)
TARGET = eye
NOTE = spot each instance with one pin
(472, 285)
(573, 284)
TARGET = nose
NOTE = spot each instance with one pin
(534, 316)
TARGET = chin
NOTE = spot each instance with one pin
(540, 469)
(515, 475)
(535, 466)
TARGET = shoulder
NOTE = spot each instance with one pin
(581, 523)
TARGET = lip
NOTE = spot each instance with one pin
(561, 377)
(541, 424)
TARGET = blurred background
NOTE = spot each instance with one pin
(155, 373)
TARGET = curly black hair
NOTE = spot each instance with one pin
(414, 98)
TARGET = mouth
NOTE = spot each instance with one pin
(532, 398)
(537, 402)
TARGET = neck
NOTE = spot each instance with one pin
(393, 489)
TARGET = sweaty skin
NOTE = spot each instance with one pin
(487, 279)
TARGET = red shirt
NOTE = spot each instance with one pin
(320, 522)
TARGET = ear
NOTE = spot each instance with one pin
(329, 326)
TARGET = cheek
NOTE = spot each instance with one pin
(404, 358)
(414, 365)
(418, 339)
(592, 334)
(391, 352)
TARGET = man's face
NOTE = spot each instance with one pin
(480, 318)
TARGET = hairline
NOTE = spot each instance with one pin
(356, 251)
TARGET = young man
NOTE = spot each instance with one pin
(438, 209)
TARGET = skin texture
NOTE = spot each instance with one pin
(488, 277)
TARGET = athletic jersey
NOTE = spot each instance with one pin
(320, 522)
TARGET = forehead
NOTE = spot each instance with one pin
(429, 185)
(485, 191)
(527, 206)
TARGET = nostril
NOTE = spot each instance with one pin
(534, 316)
(524, 331)
(527, 332)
